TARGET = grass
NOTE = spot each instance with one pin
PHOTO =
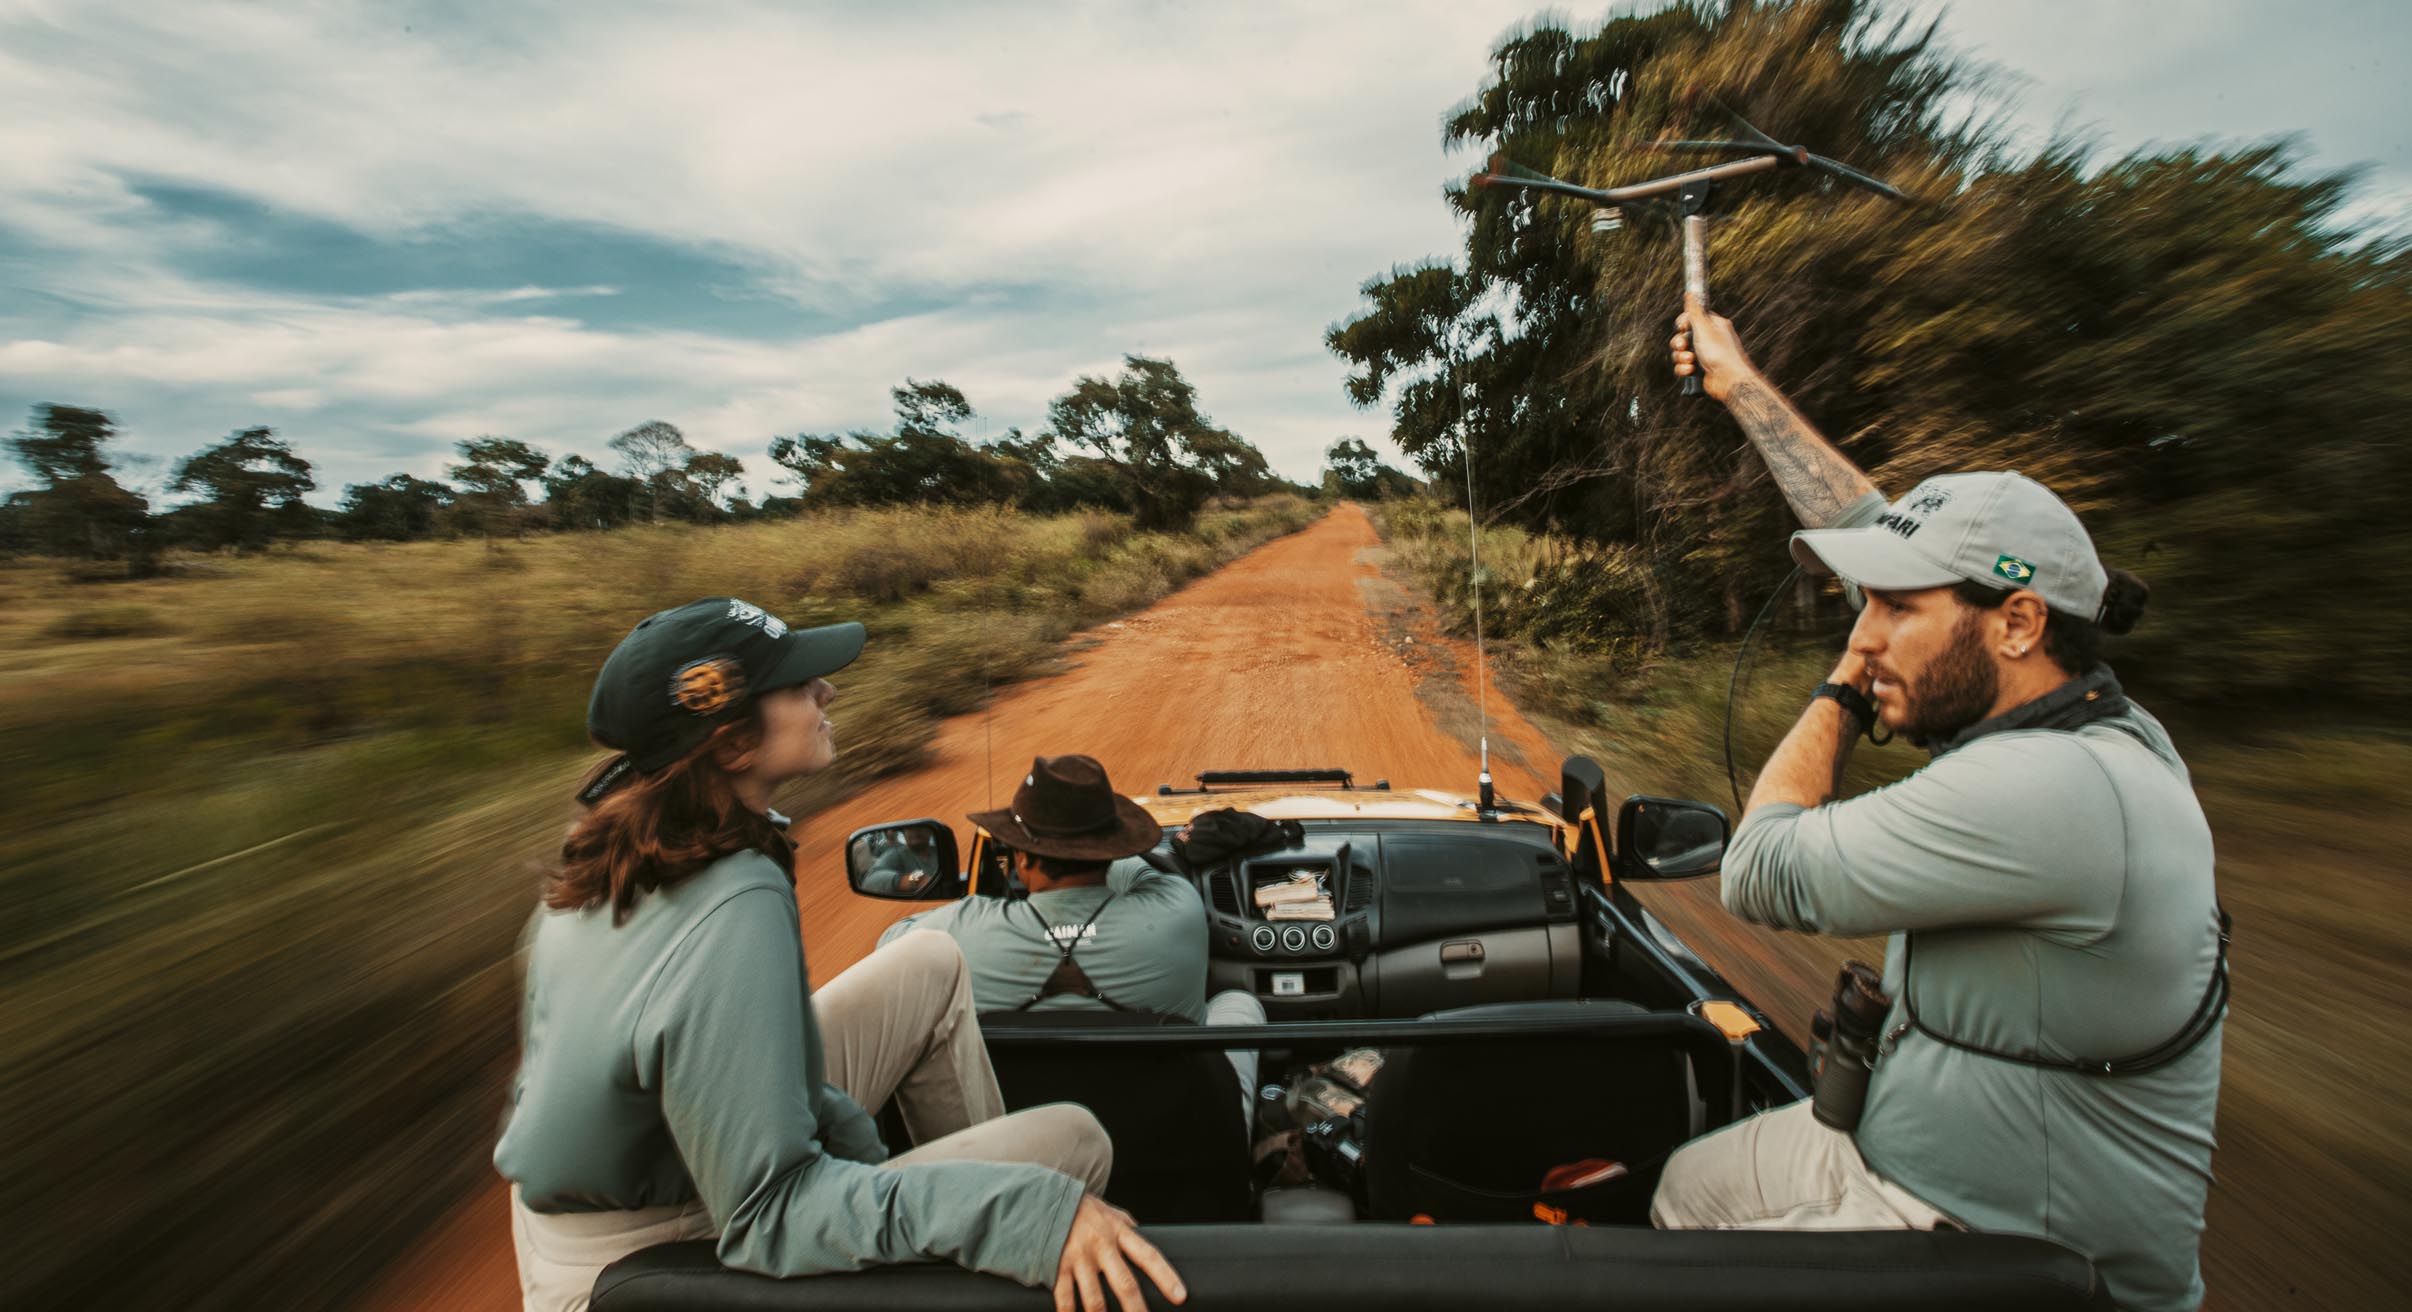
(2310, 817)
(273, 823)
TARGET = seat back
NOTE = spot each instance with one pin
(1402, 1268)
(1180, 1144)
(1466, 1134)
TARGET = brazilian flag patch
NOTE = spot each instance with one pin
(2014, 569)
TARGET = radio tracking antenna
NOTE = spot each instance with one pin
(1482, 703)
(1691, 191)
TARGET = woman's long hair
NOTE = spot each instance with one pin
(661, 827)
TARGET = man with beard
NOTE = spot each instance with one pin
(2056, 971)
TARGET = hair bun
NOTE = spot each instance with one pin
(2123, 602)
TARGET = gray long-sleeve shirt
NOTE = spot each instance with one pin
(676, 1057)
(2059, 883)
(1147, 950)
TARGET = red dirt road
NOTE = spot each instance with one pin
(1298, 654)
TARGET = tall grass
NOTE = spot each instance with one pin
(272, 824)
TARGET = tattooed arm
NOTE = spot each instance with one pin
(1818, 481)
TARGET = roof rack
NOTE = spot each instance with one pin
(1208, 780)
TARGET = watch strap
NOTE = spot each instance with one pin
(1851, 699)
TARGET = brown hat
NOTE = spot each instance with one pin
(1066, 808)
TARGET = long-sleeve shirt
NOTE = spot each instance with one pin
(676, 1057)
(1146, 951)
(2059, 886)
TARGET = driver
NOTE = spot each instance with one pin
(1100, 928)
(2051, 1065)
(903, 866)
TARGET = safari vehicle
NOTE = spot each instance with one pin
(1543, 1043)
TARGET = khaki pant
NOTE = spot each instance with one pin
(1239, 1007)
(1782, 1170)
(897, 1023)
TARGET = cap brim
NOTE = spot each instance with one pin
(808, 654)
(1135, 831)
(1870, 557)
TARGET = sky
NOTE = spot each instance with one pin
(383, 228)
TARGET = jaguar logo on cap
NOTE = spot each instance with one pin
(708, 686)
(1928, 500)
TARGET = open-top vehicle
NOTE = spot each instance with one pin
(1480, 1049)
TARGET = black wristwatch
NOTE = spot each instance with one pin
(1854, 703)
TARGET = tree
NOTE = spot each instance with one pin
(1145, 423)
(402, 509)
(1353, 470)
(655, 455)
(493, 476)
(2128, 331)
(249, 489)
(924, 460)
(712, 473)
(80, 509)
(581, 496)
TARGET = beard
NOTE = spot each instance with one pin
(1956, 689)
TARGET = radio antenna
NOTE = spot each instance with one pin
(1465, 448)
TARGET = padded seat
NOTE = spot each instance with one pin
(1443, 1268)
(1180, 1147)
(1466, 1134)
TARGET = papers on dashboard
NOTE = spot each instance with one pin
(1300, 897)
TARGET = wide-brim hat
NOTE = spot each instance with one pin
(1067, 808)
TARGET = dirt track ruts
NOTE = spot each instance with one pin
(1297, 654)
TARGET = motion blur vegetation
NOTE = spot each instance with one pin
(2135, 332)
(274, 820)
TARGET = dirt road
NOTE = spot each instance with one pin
(1299, 654)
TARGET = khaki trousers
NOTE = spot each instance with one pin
(899, 1023)
(1782, 1170)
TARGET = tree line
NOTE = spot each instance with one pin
(2188, 343)
(1134, 442)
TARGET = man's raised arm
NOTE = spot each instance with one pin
(1817, 480)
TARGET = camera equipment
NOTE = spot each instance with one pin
(1846, 1045)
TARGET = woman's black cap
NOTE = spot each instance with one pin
(683, 672)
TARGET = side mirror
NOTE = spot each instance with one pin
(1663, 838)
(905, 861)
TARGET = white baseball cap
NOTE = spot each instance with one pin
(2002, 529)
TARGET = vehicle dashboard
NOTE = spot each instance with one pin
(1396, 919)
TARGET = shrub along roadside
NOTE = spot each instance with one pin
(267, 854)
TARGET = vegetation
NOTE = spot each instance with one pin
(2128, 330)
(1351, 469)
(273, 821)
(1135, 444)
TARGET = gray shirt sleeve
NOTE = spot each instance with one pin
(2016, 829)
(941, 919)
(725, 1040)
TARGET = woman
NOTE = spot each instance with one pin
(678, 1080)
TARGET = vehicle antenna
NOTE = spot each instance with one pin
(1482, 705)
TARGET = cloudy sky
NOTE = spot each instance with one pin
(381, 228)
